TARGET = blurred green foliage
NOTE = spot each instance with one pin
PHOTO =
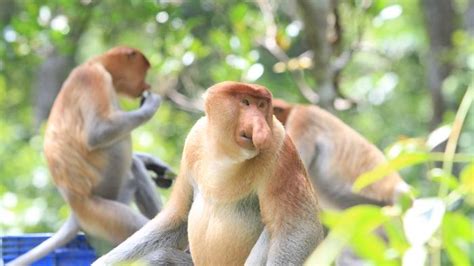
(204, 42)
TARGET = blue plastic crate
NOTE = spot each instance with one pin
(76, 252)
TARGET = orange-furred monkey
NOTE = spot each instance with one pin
(242, 195)
(335, 155)
(88, 149)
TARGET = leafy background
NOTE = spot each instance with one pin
(391, 51)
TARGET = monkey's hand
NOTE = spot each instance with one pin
(150, 103)
(163, 175)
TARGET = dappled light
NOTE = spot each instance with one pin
(399, 73)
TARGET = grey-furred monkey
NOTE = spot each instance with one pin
(89, 153)
(242, 195)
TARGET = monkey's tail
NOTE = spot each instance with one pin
(66, 233)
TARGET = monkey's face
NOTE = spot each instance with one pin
(253, 128)
(281, 110)
(243, 110)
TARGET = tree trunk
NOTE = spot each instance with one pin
(314, 14)
(439, 22)
(7, 11)
(49, 78)
(56, 66)
(469, 18)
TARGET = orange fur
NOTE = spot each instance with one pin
(342, 153)
(242, 194)
(224, 176)
(73, 166)
(88, 91)
(88, 99)
(89, 152)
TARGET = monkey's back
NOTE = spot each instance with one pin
(72, 164)
(328, 145)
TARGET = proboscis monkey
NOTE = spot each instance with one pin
(88, 149)
(242, 194)
(335, 155)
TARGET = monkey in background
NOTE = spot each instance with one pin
(242, 195)
(89, 153)
(335, 155)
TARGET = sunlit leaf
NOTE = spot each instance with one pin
(458, 237)
(415, 256)
(357, 220)
(396, 237)
(422, 220)
(370, 247)
(327, 252)
(467, 178)
(331, 218)
(405, 145)
(438, 136)
(405, 200)
(438, 175)
(381, 171)
(238, 12)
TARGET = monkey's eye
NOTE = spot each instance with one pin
(245, 102)
(262, 105)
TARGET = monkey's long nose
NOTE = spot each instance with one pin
(261, 133)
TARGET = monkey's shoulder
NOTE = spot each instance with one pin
(194, 140)
(88, 76)
(288, 155)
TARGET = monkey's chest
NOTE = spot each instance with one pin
(223, 234)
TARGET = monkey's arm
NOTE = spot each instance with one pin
(291, 236)
(259, 252)
(146, 197)
(167, 231)
(289, 210)
(104, 131)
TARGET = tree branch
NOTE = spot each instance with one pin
(171, 92)
(270, 44)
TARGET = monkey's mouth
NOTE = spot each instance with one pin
(246, 139)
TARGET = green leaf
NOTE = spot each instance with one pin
(396, 237)
(457, 235)
(371, 247)
(238, 12)
(381, 171)
(440, 176)
(350, 225)
(327, 252)
(467, 178)
(331, 218)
